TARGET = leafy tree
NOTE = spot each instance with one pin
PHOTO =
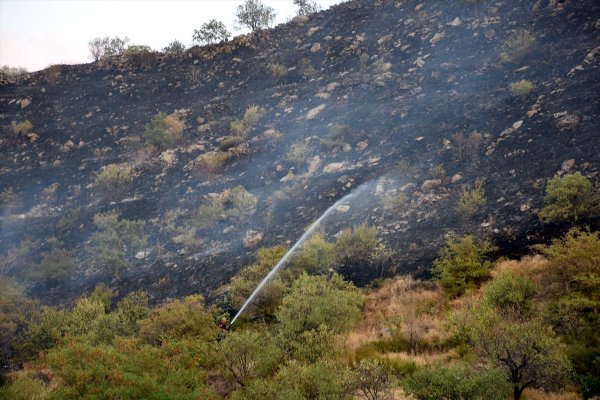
(457, 382)
(114, 241)
(211, 32)
(174, 47)
(244, 283)
(163, 131)
(306, 7)
(106, 47)
(316, 301)
(248, 355)
(527, 352)
(461, 265)
(186, 318)
(569, 197)
(9, 72)
(373, 380)
(254, 15)
(132, 309)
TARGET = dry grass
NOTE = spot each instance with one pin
(533, 394)
(419, 305)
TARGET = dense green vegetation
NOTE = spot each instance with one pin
(485, 331)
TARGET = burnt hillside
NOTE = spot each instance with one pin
(398, 99)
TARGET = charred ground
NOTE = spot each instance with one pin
(374, 91)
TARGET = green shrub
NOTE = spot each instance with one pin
(178, 319)
(298, 153)
(114, 180)
(373, 379)
(244, 283)
(8, 198)
(22, 128)
(211, 32)
(174, 47)
(395, 202)
(517, 45)
(56, 266)
(456, 382)
(230, 141)
(569, 197)
(231, 203)
(210, 162)
(278, 71)
(470, 200)
(252, 115)
(356, 245)
(461, 265)
(163, 131)
(115, 240)
(521, 88)
(316, 256)
(510, 294)
(320, 380)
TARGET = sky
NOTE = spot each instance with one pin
(37, 33)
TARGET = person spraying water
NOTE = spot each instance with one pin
(296, 245)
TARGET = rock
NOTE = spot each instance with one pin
(314, 164)
(566, 121)
(332, 86)
(343, 208)
(312, 114)
(455, 22)
(336, 167)
(312, 30)
(140, 255)
(419, 62)
(300, 19)
(315, 47)
(420, 138)
(568, 165)
(252, 238)
(430, 184)
(68, 146)
(236, 60)
(455, 178)
(517, 124)
(437, 37)
(25, 103)
(347, 148)
(229, 229)
(525, 207)
(168, 157)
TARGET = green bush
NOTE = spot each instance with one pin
(178, 319)
(174, 47)
(252, 115)
(8, 198)
(56, 266)
(278, 71)
(210, 162)
(510, 294)
(470, 200)
(115, 241)
(114, 180)
(316, 256)
(22, 128)
(230, 141)
(211, 32)
(569, 197)
(356, 245)
(297, 153)
(521, 88)
(235, 203)
(461, 265)
(456, 382)
(163, 131)
(517, 45)
(244, 283)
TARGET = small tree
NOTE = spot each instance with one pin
(373, 380)
(114, 180)
(254, 15)
(211, 32)
(306, 7)
(568, 197)
(56, 265)
(174, 47)
(114, 241)
(163, 131)
(105, 47)
(528, 352)
(461, 264)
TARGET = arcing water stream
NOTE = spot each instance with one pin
(294, 247)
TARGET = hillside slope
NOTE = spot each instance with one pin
(383, 97)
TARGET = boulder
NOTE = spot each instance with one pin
(312, 114)
(252, 238)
